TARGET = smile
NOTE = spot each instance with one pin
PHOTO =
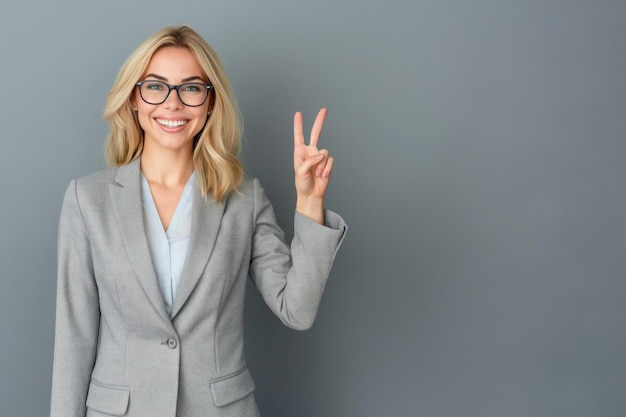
(171, 123)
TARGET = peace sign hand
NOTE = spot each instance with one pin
(312, 168)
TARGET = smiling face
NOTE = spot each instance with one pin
(171, 125)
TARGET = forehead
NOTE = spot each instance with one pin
(174, 63)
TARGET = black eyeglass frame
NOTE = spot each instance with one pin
(171, 87)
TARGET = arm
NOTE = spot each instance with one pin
(292, 280)
(77, 313)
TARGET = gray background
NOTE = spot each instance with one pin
(479, 150)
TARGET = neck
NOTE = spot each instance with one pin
(166, 168)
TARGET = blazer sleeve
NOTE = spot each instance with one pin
(77, 313)
(292, 279)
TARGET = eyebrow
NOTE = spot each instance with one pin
(159, 77)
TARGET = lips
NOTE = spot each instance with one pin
(171, 123)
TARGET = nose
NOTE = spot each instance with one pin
(173, 101)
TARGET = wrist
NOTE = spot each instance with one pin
(311, 207)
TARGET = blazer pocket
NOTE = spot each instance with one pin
(230, 388)
(109, 399)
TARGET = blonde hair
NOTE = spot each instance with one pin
(216, 147)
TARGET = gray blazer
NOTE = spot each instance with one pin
(118, 352)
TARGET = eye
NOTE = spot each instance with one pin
(192, 88)
(154, 86)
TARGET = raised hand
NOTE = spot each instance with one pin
(312, 168)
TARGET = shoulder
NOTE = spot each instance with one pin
(97, 179)
(248, 185)
(94, 186)
(248, 194)
(250, 189)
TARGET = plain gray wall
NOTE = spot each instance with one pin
(480, 165)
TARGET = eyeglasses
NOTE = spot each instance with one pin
(190, 94)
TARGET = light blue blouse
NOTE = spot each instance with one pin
(168, 248)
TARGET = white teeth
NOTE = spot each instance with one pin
(171, 123)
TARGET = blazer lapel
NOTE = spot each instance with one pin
(205, 224)
(128, 209)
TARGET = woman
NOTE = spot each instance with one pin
(155, 252)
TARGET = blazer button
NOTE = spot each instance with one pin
(171, 343)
